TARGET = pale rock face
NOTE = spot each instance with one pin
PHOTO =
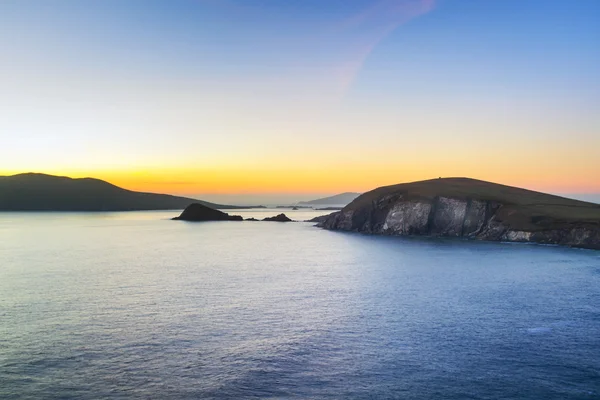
(494, 230)
(517, 236)
(408, 217)
(449, 217)
(475, 218)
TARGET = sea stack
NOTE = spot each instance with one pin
(197, 212)
(278, 218)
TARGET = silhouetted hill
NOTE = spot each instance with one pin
(470, 208)
(338, 199)
(41, 192)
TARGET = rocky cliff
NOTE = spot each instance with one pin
(468, 208)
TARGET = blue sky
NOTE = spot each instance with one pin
(448, 87)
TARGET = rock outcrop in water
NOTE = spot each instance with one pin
(278, 218)
(198, 212)
(468, 208)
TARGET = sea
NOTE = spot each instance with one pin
(132, 305)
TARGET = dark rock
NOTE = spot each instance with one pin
(278, 218)
(197, 212)
(251, 219)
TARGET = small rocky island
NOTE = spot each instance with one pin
(278, 218)
(469, 208)
(197, 212)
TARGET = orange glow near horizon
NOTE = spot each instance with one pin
(332, 180)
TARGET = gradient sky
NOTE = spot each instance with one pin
(297, 98)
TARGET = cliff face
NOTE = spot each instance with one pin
(407, 212)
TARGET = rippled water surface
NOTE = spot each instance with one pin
(132, 305)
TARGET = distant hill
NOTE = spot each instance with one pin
(41, 192)
(338, 199)
(589, 197)
(469, 208)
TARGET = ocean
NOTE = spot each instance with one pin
(135, 306)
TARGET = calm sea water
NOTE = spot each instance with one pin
(132, 305)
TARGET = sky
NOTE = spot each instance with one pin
(263, 99)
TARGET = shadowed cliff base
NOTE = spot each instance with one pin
(469, 208)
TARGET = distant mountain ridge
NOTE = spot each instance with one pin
(338, 199)
(42, 192)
